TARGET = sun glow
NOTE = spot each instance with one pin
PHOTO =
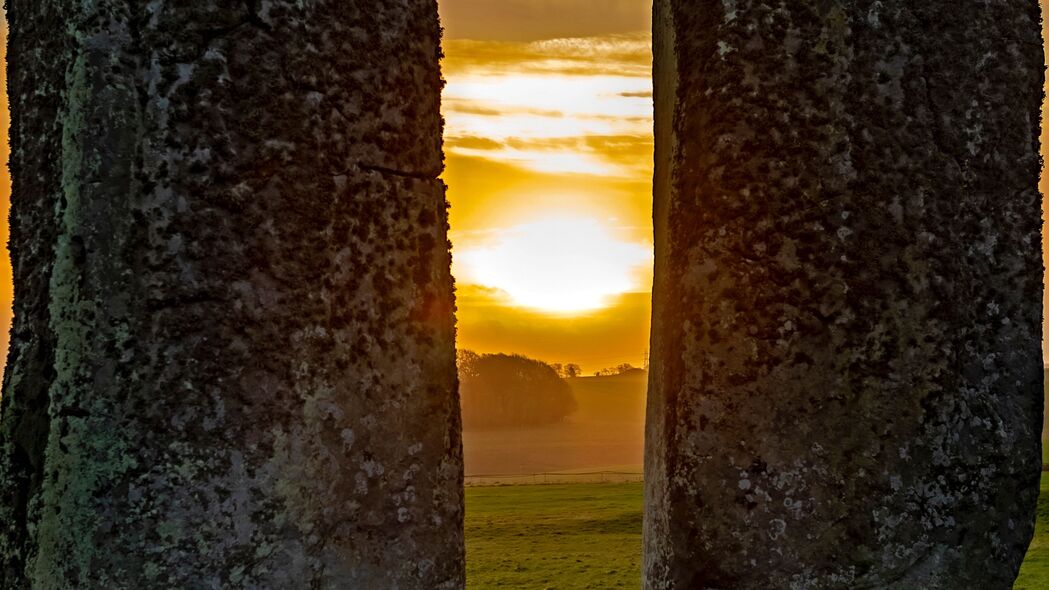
(558, 265)
(548, 144)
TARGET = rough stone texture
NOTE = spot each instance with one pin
(232, 364)
(846, 384)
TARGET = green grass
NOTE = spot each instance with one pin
(558, 537)
(589, 536)
(1034, 575)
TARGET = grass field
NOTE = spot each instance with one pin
(559, 537)
(589, 536)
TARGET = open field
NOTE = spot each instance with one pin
(569, 537)
(562, 537)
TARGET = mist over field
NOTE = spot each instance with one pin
(604, 433)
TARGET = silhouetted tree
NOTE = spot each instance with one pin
(466, 361)
(567, 371)
(500, 390)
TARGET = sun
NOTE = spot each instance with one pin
(561, 265)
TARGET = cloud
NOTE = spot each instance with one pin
(607, 156)
(471, 143)
(467, 106)
(620, 55)
(559, 106)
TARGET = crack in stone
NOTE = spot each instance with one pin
(431, 175)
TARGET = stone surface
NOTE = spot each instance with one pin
(846, 384)
(232, 364)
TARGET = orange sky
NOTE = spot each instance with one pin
(549, 165)
(549, 160)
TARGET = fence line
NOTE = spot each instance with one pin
(556, 478)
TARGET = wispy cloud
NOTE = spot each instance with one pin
(546, 105)
(619, 55)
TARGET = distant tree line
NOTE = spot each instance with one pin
(501, 391)
(623, 369)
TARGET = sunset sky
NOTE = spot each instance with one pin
(549, 161)
(548, 110)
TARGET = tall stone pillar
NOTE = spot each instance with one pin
(233, 362)
(846, 380)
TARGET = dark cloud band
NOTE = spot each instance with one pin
(529, 20)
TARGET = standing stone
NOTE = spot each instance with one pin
(846, 384)
(232, 363)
